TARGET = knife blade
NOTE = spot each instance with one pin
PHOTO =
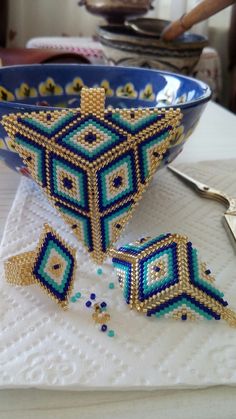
(206, 191)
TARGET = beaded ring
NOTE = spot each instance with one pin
(162, 276)
(51, 265)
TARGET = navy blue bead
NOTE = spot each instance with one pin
(184, 316)
(92, 296)
(88, 303)
(90, 137)
(67, 183)
(104, 328)
(103, 304)
(117, 182)
(207, 272)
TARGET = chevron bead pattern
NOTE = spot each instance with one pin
(93, 163)
(163, 277)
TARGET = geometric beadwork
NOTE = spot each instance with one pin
(35, 157)
(90, 138)
(79, 223)
(93, 163)
(68, 182)
(54, 266)
(117, 180)
(163, 277)
(146, 151)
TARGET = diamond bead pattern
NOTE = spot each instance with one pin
(163, 277)
(54, 266)
(93, 163)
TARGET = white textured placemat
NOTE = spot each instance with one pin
(42, 346)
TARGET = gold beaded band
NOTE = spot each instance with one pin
(18, 269)
(51, 265)
(93, 101)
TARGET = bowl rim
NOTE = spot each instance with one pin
(21, 106)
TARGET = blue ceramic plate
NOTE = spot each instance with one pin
(34, 87)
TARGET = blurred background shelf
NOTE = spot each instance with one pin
(73, 21)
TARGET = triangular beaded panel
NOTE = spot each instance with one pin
(97, 163)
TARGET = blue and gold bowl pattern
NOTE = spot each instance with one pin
(39, 87)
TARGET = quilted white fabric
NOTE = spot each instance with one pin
(45, 347)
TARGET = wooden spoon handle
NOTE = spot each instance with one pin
(199, 13)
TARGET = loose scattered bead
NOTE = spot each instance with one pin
(103, 304)
(73, 299)
(104, 328)
(99, 271)
(103, 309)
(92, 296)
(78, 295)
(111, 333)
(111, 285)
(88, 303)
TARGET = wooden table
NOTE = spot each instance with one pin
(214, 138)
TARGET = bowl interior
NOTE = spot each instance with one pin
(149, 29)
(146, 26)
(60, 86)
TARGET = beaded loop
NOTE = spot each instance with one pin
(18, 269)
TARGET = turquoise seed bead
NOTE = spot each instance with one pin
(111, 285)
(111, 333)
(73, 299)
(99, 271)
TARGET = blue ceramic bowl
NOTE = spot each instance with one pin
(34, 87)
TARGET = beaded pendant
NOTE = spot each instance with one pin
(162, 276)
(93, 163)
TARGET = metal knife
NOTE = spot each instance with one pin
(229, 217)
